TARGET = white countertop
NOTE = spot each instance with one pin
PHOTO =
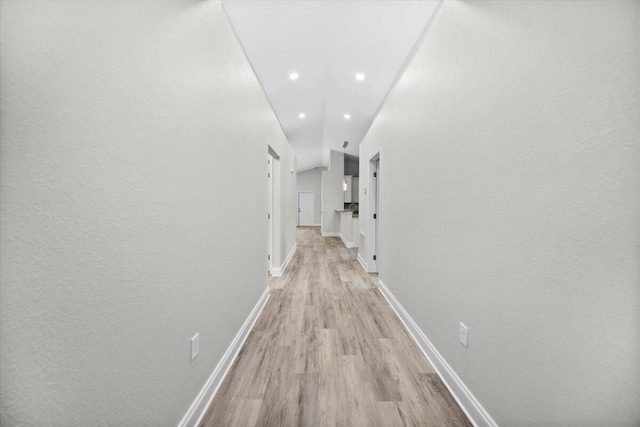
(347, 212)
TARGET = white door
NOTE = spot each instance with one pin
(373, 228)
(270, 180)
(306, 208)
(376, 250)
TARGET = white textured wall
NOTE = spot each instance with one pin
(511, 202)
(126, 226)
(311, 180)
(332, 194)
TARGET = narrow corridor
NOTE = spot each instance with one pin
(328, 350)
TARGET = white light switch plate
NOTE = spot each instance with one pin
(464, 335)
(195, 346)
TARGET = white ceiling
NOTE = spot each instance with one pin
(327, 43)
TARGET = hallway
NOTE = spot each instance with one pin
(328, 350)
(157, 157)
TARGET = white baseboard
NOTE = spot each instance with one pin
(199, 407)
(330, 234)
(279, 271)
(347, 244)
(478, 416)
(362, 263)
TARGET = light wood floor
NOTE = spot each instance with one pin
(328, 350)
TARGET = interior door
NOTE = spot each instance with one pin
(373, 228)
(270, 236)
(306, 208)
(377, 213)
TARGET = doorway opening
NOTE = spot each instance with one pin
(373, 224)
(306, 208)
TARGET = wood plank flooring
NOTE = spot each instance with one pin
(328, 350)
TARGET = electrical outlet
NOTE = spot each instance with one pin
(195, 346)
(464, 335)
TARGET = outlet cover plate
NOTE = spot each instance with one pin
(464, 335)
(195, 346)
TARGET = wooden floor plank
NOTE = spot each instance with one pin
(328, 350)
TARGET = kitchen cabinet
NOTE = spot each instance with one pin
(349, 229)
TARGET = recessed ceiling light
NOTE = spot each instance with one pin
(302, 115)
(360, 76)
(294, 76)
(347, 116)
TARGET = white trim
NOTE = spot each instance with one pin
(362, 263)
(347, 244)
(271, 216)
(478, 416)
(331, 234)
(279, 271)
(199, 407)
(373, 203)
(277, 209)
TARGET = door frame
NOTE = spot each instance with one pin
(273, 242)
(314, 206)
(374, 225)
